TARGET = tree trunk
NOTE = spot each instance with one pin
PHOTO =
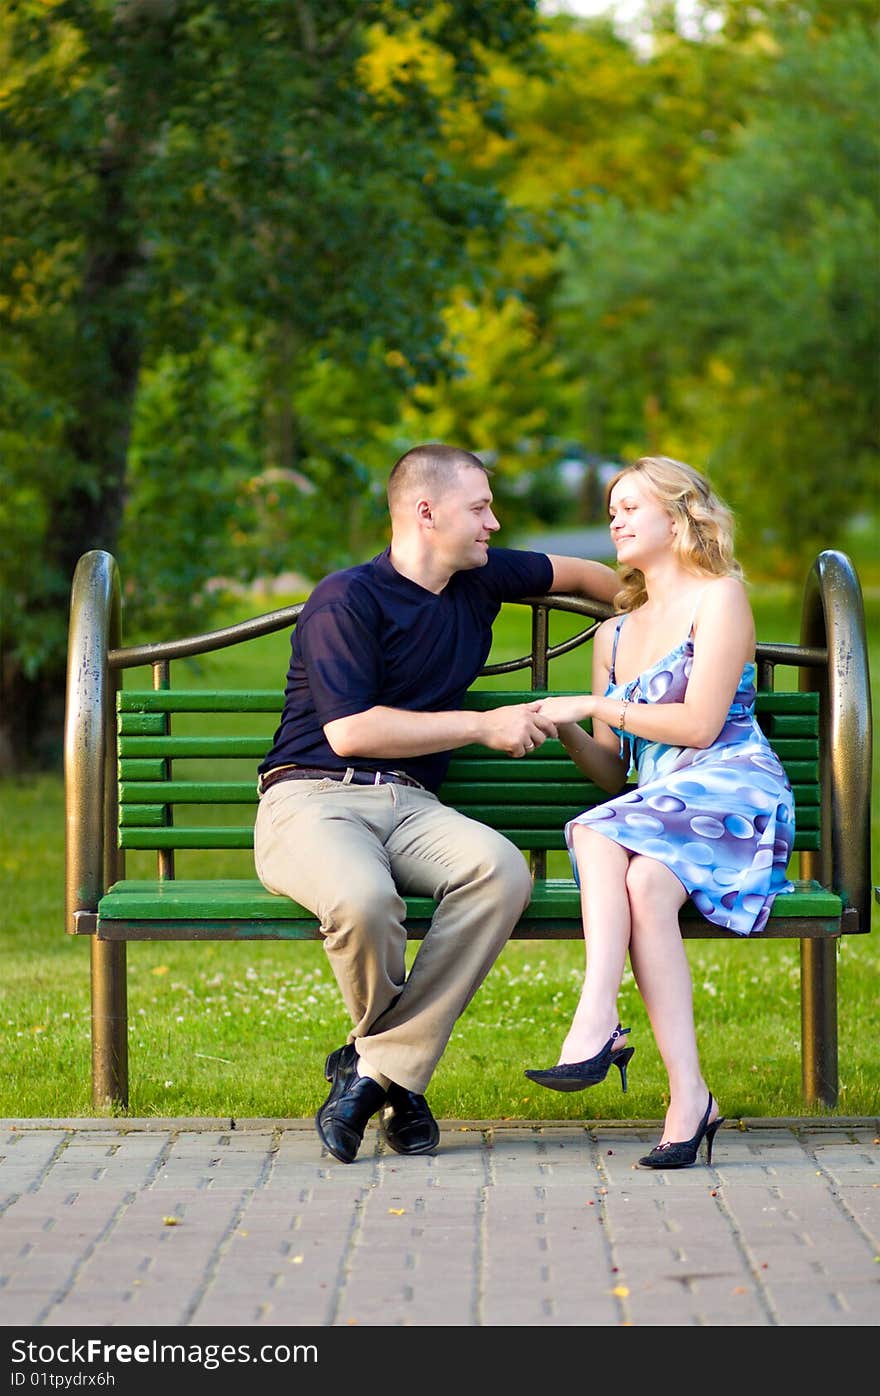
(109, 316)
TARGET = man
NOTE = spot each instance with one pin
(349, 821)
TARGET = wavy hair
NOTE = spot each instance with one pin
(704, 533)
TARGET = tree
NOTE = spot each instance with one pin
(740, 328)
(184, 175)
(589, 121)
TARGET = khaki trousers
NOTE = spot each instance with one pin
(349, 853)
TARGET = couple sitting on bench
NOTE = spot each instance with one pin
(349, 821)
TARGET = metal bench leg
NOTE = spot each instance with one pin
(109, 1024)
(819, 1021)
(833, 618)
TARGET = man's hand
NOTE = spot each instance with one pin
(386, 733)
(516, 729)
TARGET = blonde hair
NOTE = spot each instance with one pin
(704, 524)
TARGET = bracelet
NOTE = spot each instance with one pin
(622, 722)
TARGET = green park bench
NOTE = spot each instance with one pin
(168, 773)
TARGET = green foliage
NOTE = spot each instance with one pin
(182, 175)
(251, 251)
(741, 326)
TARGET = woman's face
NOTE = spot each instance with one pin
(641, 528)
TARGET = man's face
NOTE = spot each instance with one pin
(463, 521)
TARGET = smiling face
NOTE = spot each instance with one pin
(641, 527)
(461, 520)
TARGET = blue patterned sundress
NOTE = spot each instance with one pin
(721, 818)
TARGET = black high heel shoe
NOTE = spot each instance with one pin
(683, 1154)
(576, 1076)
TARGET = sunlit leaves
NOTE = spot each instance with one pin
(743, 323)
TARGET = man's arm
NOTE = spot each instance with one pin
(385, 733)
(583, 577)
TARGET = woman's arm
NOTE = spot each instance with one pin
(724, 642)
(597, 755)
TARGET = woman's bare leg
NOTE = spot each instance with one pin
(602, 866)
(663, 976)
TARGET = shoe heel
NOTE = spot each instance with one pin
(710, 1138)
(621, 1060)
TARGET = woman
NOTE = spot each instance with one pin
(712, 816)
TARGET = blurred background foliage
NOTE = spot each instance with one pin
(250, 252)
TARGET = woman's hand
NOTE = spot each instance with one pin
(562, 709)
(597, 759)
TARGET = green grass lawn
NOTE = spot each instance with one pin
(242, 1029)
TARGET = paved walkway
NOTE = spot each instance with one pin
(176, 1222)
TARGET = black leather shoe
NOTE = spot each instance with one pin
(407, 1122)
(342, 1118)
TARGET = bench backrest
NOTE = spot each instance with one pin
(188, 758)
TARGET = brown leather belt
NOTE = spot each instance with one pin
(350, 776)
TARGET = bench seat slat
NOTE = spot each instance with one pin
(142, 724)
(498, 798)
(142, 817)
(528, 770)
(270, 700)
(562, 928)
(242, 836)
(243, 909)
(796, 748)
(537, 840)
(181, 836)
(250, 747)
(189, 792)
(787, 701)
(142, 768)
(790, 725)
(199, 700)
(190, 898)
(141, 759)
(803, 775)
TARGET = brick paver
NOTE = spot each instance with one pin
(195, 1223)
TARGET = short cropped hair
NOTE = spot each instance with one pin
(429, 469)
(704, 533)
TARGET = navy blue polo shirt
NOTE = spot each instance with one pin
(369, 637)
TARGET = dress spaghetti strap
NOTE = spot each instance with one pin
(612, 678)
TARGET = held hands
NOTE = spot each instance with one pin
(517, 729)
(563, 709)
